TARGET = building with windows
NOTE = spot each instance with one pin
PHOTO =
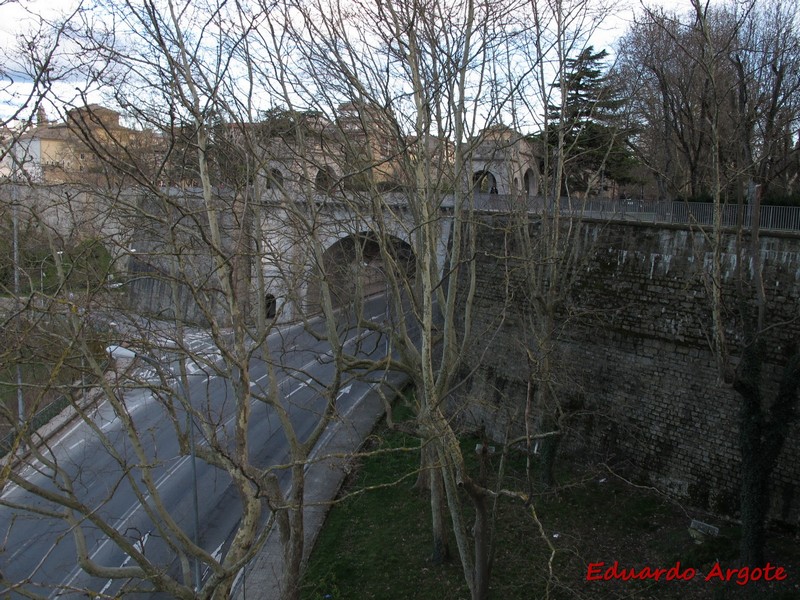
(82, 149)
(503, 161)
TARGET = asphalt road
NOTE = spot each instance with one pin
(37, 543)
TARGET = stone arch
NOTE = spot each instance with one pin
(325, 179)
(484, 182)
(275, 179)
(529, 182)
(270, 306)
(354, 268)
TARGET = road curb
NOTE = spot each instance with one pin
(262, 577)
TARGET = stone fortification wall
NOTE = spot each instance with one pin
(636, 370)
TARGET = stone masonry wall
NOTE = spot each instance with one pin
(635, 364)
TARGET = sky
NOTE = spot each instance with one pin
(20, 15)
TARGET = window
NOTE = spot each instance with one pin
(274, 179)
(325, 180)
(483, 182)
(270, 306)
(529, 183)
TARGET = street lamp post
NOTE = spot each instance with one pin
(387, 333)
(15, 252)
(41, 275)
(120, 352)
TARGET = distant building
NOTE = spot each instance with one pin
(504, 162)
(6, 139)
(360, 149)
(78, 150)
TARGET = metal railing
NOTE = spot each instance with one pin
(771, 218)
(36, 421)
(77, 394)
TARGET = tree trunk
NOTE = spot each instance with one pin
(430, 480)
(762, 434)
(423, 482)
(441, 548)
(293, 547)
(549, 451)
(754, 508)
(482, 533)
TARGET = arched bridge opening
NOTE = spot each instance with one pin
(355, 267)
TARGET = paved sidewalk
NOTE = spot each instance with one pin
(262, 577)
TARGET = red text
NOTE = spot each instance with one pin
(745, 575)
(595, 572)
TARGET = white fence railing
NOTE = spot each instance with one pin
(772, 218)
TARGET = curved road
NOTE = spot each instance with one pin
(38, 549)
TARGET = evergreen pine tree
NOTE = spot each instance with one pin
(595, 136)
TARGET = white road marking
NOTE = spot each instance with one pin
(163, 479)
(331, 431)
(299, 387)
(139, 545)
(127, 516)
(192, 368)
(217, 554)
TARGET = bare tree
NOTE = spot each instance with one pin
(756, 54)
(413, 75)
(743, 62)
(549, 245)
(356, 175)
(200, 241)
(419, 84)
